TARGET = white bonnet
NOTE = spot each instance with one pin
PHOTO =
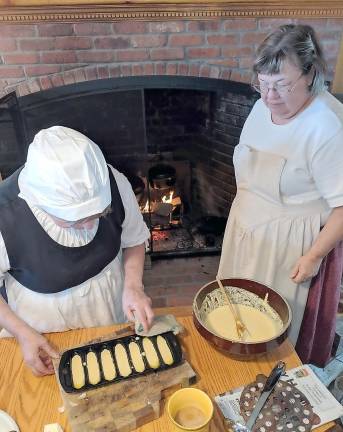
(65, 174)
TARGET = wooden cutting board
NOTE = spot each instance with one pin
(126, 405)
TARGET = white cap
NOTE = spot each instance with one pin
(65, 174)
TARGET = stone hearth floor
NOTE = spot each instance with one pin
(334, 369)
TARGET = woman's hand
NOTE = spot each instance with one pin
(137, 306)
(37, 352)
(308, 265)
(305, 268)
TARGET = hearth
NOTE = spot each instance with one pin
(164, 197)
(173, 137)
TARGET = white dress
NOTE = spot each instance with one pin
(289, 177)
(97, 301)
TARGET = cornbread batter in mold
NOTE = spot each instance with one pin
(77, 372)
(164, 350)
(150, 353)
(136, 357)
(122, 360)
(93, 368)
(108, 366)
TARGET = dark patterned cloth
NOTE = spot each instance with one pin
(318, 327)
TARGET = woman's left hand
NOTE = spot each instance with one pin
(137, 306)
(305, 268)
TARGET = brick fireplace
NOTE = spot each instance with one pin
(38, 56)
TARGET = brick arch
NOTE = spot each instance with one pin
(95, 72)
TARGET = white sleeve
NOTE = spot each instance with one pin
(327, 170)
(4, 261)
(134, 229)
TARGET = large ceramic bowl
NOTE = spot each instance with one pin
(208, 298)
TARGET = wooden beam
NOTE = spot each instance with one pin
(15, 11)
(337, 85)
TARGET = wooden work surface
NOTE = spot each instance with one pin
(34, 402)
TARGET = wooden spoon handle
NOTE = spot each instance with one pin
(240, 327)
(228, 299)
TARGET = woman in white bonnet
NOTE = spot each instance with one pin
(71, 245)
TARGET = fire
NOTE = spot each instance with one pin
(151, 206)
(146, 208)
(167, 199)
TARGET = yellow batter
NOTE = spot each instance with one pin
(93, 368)
(164, 350)
(260, 325)
(77, 372)
(136, 357)
(150, 353)
(122, 360)
(108, 365)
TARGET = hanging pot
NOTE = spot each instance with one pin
(162, 176)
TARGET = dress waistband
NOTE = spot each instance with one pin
(255, 203)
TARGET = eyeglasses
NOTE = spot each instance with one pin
(68, 224)
(281, 89)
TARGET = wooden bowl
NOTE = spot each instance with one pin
(241, 348)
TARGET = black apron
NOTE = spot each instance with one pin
(41, 264)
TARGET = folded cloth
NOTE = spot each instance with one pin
(161, 324)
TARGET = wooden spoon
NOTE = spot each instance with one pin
(240, 327)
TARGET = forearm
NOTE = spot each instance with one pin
(134, 265)
(328, 237)
(10, 321)
(136, 304)
(37, 351)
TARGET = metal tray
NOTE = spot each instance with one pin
(65, 373)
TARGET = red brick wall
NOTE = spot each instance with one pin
(35, 57)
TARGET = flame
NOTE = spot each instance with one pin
(167, 199)
(149, 206)
(146, 208)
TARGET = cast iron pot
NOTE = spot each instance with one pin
(244, 349)
(162, 176)
(211, 225)
(137, 185)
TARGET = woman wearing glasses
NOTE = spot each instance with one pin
(71, 245)
(286, 222)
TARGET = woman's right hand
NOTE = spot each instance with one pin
(305, 268)
(37, 352)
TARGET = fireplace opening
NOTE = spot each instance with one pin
(173, 137)
(168, 207)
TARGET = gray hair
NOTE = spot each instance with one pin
(298, 44)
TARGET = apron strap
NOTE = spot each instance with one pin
(3, 292)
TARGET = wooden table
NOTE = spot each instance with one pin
(34, 402)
